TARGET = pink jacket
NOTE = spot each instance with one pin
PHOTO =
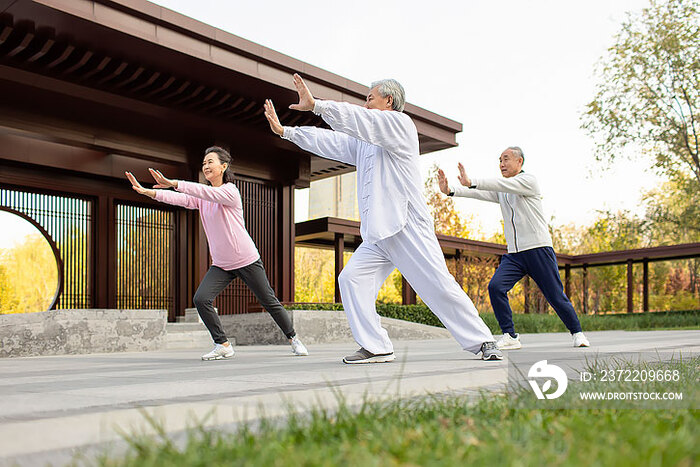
(221, 212)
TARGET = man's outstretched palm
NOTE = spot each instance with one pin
(442, 182)
(462, 177)
(306, 100)
(272, 118)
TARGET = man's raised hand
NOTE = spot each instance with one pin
(442, 182)
(462, 177)
(306, 100)
(272, 118)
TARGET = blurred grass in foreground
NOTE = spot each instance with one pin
(493, 429)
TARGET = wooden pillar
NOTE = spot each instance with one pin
(181, 262)
(459, 267)
(630, 286)
(567, 280)
(201, 252)
(526, 293)
(201, 248)
(645, 286)
(408, 295)
(105, 264)
(285, 258)
(585, 289)
(100, 241)
(339, 248)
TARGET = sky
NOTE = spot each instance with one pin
(20, 228)
(513, 72)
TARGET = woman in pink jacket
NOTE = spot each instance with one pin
(232, 250)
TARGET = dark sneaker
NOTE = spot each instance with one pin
(365, 356)
(489, 351)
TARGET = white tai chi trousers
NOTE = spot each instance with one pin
(415, 252)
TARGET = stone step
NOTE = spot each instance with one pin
(317, 327)
(188, 336)
(184, 327)
(191, 316)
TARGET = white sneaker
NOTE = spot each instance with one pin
(220, 352)
(506, 342)
(580, 340)
(298, 348)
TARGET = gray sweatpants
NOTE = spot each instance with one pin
(253, 275)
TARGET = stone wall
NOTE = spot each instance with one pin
(60, 332)
(317, 327)
(252, 329)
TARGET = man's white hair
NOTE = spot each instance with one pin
(391, 87)
(518, 152)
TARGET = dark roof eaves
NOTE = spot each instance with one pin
(202, 31)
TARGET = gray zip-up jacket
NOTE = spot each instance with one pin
(521, 204)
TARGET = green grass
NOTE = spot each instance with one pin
(493, 430)
(536, 323)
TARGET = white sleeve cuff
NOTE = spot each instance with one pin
(318, 107)
(287, 133)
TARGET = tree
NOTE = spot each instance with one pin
(673, 209)
(28, 276)
(649, 89)
(313, 275)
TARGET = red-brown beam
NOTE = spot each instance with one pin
(630, 286)
(645, 286)
(585, 289)
(408, 295)
(339, 248)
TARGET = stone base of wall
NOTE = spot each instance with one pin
(61, 332)
(252, 329)
(317, 327)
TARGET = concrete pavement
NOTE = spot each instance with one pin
(51, 406)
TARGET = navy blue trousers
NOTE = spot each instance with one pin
(541, 265)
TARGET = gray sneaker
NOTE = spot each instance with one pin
(365, 356)
(489, 351)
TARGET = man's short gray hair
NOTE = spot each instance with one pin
(391, 87)
(518, 152)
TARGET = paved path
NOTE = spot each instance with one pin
(49, 406)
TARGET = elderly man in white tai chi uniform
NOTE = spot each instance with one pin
(396, 227)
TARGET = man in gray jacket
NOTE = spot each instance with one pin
(529, 243)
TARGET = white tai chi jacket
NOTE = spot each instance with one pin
(383, 146)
